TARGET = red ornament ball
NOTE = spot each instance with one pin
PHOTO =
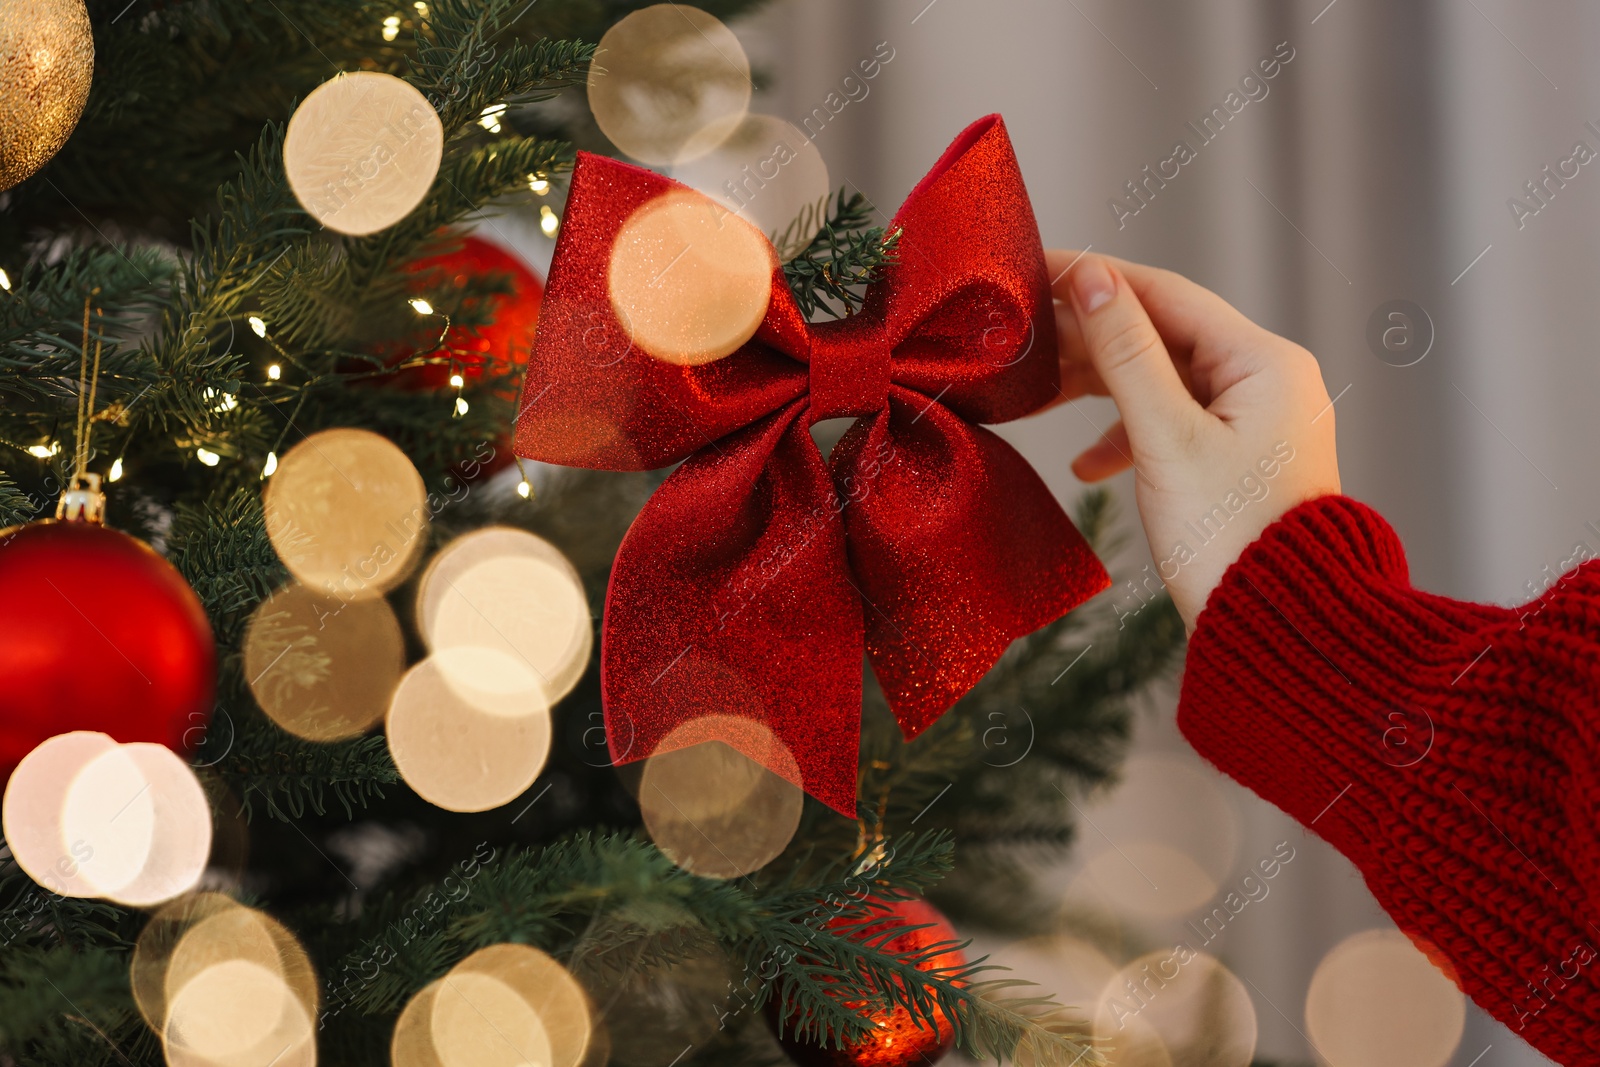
(98, 632)
(900, 1039)
(499, 345)
(507, 320)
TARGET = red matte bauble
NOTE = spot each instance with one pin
(899, 1040)
(509, 319)
(98, 632)
(499, 346)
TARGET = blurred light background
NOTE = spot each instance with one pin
(1378, 167)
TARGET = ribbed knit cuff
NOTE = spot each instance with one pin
(1411, 732)
(1318, 616)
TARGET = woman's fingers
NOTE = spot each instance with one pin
(1078, 376)
(1181, 310)
(1111, 454)
(1125, 348)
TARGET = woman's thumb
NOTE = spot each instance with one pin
(1127, 351)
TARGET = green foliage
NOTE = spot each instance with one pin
(72, 1005)
(15, 505)
(611, 903)
(221, 548)
(464, 64)
(830, 276)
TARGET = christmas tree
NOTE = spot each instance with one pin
(175, 323)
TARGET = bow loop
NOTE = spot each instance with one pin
(754, 615)
(754, 581)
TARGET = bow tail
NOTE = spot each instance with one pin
(731, 615)
(958, 547)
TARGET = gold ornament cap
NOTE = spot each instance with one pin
(82, 501)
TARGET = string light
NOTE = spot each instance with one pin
(490, 118)
(259, 325)
(538, 184)
(206, 456)
(274, 372)
(271, 465)
(457, 381)
(391, 27)
(5, 281)
(549, 222)
(422, 9)
(227, 403)
(421, 306)
(44, 451)
(524, 490)
(461, 406)
(116, 470)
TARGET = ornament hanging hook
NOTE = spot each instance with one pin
(82, 500)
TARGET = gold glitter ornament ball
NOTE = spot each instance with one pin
(46, 61)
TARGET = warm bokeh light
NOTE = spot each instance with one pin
(362, 150)
(240, 933)
(465, 750)
(225, 986)
(238, 1013)
(1176, 1007)
(714, 811)
(411, 1045)
(769, 173)
(555, 1000)
(1147, 878)
(323, 668)
(142, 815)
(668, 83)
(689, 280)
(1166, 839)
(152, 952)
(479, 1021)
(87, 817)
(1376, 1000)
(347, 513)
(505, 1004)
(505, 611)
(32, 810)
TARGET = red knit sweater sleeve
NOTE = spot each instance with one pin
(1448, 749)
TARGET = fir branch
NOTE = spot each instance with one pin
(221, 549)
(552, 897)
(41, 328)
(266, 766)
(833, 979)
(72, 1004)
(829, 276)
(258, 221)
(16, 505)
(465, 63)
(468, 181)
(1027, 1028)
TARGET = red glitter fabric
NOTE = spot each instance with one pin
(754, 579)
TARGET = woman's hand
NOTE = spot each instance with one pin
(1226, 425)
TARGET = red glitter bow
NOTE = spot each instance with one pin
(751, 582)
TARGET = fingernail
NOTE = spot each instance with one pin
(1092, 284)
